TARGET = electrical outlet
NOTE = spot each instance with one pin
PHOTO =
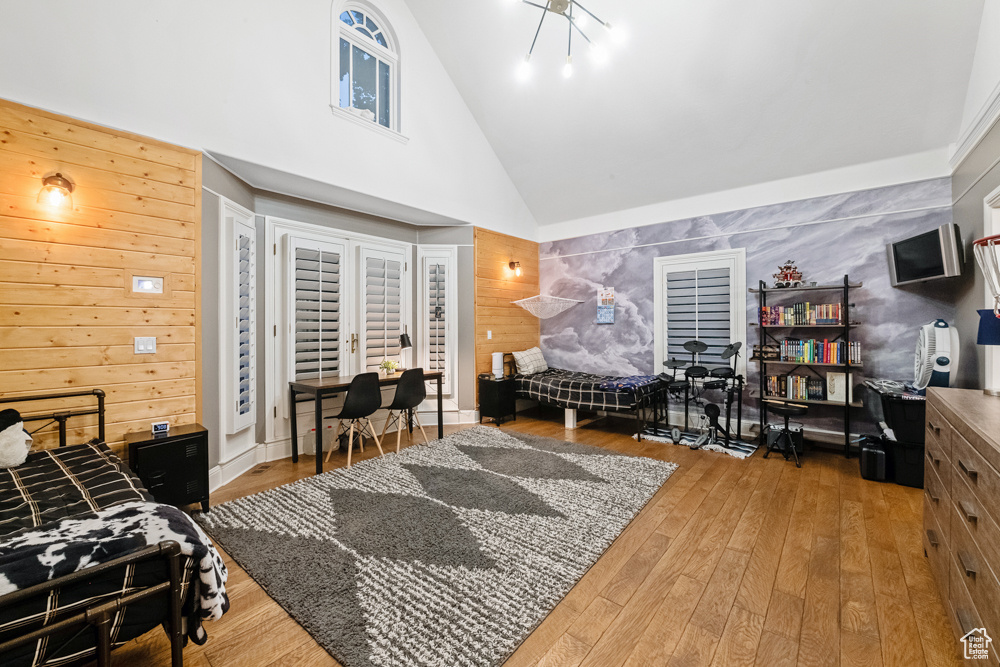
(145, 345)
(489, 335)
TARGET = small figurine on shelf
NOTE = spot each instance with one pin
(788, 275)
(388, 366)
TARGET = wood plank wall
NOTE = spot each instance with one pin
(496, 286)
(67, 313)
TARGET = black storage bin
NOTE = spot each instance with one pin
(908, 463)
(905, 417)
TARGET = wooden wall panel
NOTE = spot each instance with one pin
(496, 287)
(67, 313)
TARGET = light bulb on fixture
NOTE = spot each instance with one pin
(568, 67)
(581, 21)
(598, 53)
(56, 191)
(516, 268)
(618, 35)
(524, 69)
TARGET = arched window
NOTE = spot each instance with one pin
(367, 84)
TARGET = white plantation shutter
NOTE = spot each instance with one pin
(698, 308)
(699, 297)
(246, 263)
(382, 307)
(239, 312)
(437, 323)
(438, 294)
(317, 269)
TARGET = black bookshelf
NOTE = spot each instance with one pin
(843, 331)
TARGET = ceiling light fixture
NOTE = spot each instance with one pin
(56, 191)
(576, 16)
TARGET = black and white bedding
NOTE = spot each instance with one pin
(69, 508)
(583, 391)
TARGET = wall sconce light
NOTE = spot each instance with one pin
(56, 191)
(516, 268)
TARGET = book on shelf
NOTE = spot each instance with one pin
(800, 314)
(820, 351)
(795, 387)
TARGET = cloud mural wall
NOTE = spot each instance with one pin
(827, 237)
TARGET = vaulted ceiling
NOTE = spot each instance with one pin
(704, 95)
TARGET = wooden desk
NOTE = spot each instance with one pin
(333, 385)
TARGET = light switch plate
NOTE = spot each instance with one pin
(145, 345)
(147, 284)
(489, 335)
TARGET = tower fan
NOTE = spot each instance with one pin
(936, 360)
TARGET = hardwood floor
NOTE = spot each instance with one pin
(732, 562)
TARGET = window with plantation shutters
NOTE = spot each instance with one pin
(437, 299)
(239, 345)
(317, 270)
(699, 297)
(698, 308)
(436, 322)
(381, 307)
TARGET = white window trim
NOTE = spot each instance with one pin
(392, 56)
(449, 255)
(232, 216)
(991, 226)
(276, 321)
(737, 257)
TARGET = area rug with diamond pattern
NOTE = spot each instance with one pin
(445, 554)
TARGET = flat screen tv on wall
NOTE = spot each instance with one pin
(927, 256)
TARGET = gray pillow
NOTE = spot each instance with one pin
(530, 361)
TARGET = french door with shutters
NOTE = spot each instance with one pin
(319, 346)
(381, 311)
(700, 296)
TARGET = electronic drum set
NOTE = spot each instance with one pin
(695, 384)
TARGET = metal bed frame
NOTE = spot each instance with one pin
(645, 403)
(98, 616)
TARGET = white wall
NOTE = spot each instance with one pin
(985, 74)
(251, 79)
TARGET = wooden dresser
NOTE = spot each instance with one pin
(962, 507)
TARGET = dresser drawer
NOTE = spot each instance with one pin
(977, 577)
(936, 549)
(937, 432)
(938, 448)
(970, 466)
(937, 501)
(981, 525)
(961, 611)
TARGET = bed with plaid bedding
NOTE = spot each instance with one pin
(583, 391)
(69, 508)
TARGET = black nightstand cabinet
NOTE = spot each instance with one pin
(496, 399)
(172, 467)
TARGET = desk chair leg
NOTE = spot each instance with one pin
(336, 439)
(421, 426)
(385, 426)
(350, 445)
(399, 430)
(375, 437)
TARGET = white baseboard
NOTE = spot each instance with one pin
(224, 473)
(429, 417)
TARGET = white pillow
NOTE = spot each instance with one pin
(14, 440)
(530, 361)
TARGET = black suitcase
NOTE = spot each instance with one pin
(873, 459)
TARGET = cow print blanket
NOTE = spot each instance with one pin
(62, 547)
